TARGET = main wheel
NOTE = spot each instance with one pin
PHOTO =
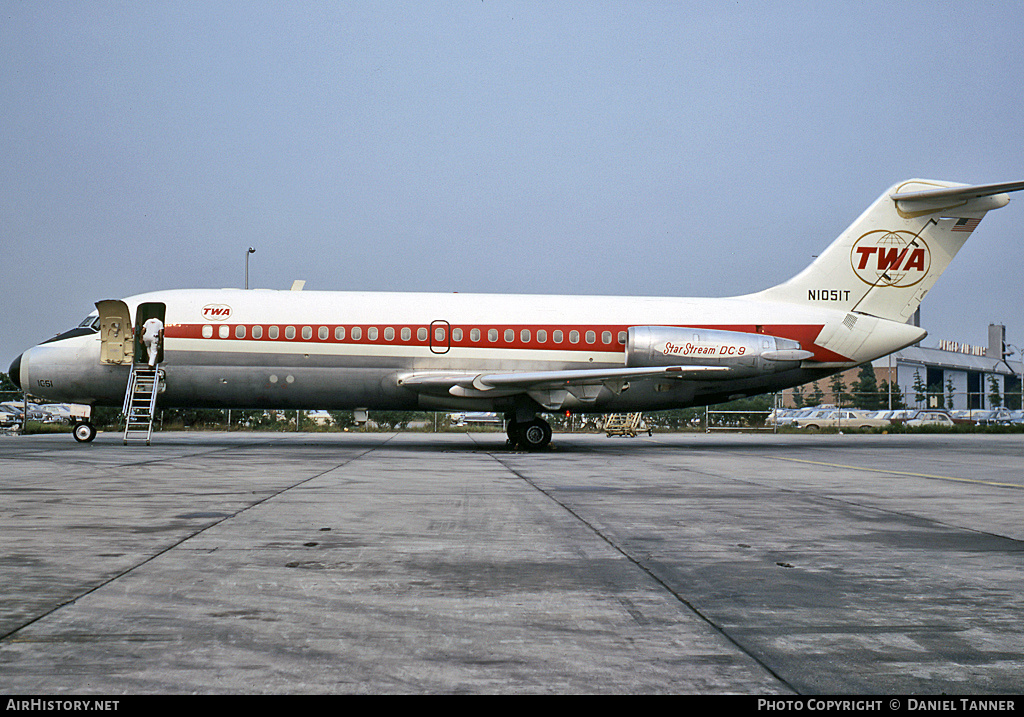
(83, 432)
(533, 435)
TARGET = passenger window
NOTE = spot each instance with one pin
(574, 337)
(524, 336)
(240, 331)
(371, 333)
(289, 332)
(389, 334)
(257, 332)
(542, 336)
(307, 333)
(223, 331)
(322, 333)
(591, 337)
(474, 335)
(456, 334)
(492, 335)
(510, 336)
(421, 334)
(207, 331)
(406, 333)
(357, 333)
(557, 336)
(622, 338)
(339, 333)
(273, 332)
(606, 337)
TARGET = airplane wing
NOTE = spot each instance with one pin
(548, 388)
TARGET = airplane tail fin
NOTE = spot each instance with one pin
(892, 255)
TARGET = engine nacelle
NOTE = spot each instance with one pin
(745, 354)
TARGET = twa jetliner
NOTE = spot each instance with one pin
(526, 355)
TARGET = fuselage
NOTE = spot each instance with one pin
(336, 350)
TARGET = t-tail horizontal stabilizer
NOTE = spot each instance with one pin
(885, 263)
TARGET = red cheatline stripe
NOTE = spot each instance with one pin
(805, 334)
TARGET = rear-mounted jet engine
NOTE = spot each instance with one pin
(744, 354)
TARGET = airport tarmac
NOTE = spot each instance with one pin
(445, 563)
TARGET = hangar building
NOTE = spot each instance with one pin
(951, 375)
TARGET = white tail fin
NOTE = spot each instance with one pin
(891, 256)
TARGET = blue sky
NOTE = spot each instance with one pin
(636, 148)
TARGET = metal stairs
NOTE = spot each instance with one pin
(140, 402)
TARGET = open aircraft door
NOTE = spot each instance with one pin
(116, 335)
(145, 312)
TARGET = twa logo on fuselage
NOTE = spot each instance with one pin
(216, 312)
(883, 258)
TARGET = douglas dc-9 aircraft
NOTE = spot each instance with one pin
(526, 355)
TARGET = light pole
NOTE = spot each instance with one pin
(251, 251)
(889, 382)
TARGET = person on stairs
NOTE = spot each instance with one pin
(152, 337)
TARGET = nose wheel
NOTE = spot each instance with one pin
(83, 432)
(531, 435)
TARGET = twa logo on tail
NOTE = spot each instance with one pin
(898, 259)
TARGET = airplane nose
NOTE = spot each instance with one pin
(15, 371)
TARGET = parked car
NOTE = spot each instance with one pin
(56, 413)
(926, 417)
(995, 417)
(957, 418)
(783, 417)
(813, 418)
(838, 418)
(35, 411)
(885, 417)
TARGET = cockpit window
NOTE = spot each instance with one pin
(86, 327)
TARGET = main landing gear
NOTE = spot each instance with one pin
(529, 435)
(83, 432)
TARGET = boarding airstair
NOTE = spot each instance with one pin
(140, 402)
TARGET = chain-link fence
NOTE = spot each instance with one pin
(950, 400)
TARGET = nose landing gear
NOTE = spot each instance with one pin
(83, 432)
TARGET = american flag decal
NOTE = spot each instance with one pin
(965, 225)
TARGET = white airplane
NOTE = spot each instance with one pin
(527, 355)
